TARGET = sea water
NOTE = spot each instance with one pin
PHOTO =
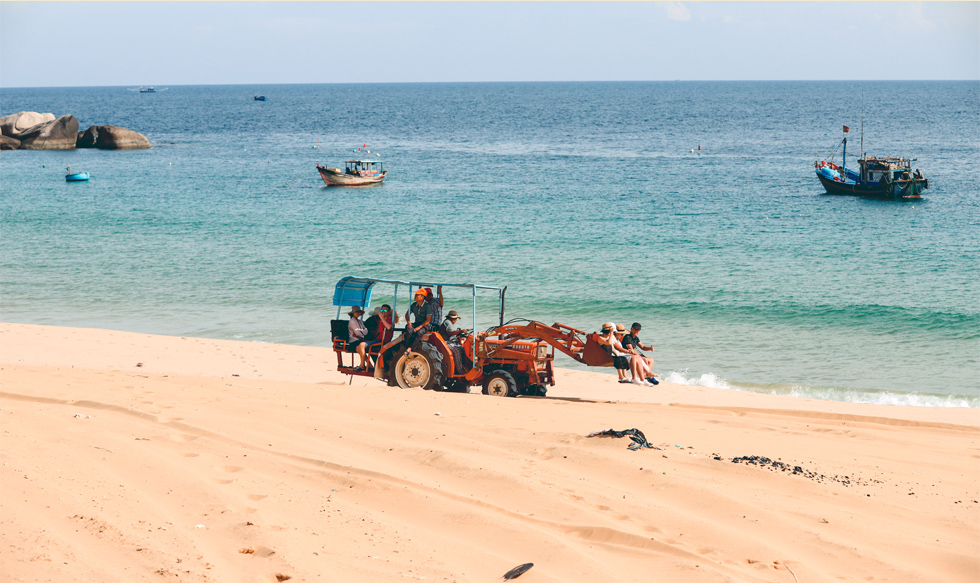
(584, 199)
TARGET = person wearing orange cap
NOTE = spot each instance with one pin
(419, 316)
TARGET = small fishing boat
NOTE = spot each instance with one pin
(878, 177)
(355, 173)
(260, 98)
(75, 176)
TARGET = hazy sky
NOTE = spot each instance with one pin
(52, 44)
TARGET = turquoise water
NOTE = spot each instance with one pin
(583, 198)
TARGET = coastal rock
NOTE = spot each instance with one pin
(117, 138)
(18, 124)
(59, 134)
(89, 138)
(8, 143)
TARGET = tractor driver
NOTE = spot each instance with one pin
(448, 330)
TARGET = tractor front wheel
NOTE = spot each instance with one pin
(500, 383)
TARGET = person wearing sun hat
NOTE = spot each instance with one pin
(448, 328)
(610, 344)
(356, 333)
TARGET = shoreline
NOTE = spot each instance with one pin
(130, 456)
(606, 386)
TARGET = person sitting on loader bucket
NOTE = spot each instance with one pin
(620, 362)
(631, 342)
(637, 365)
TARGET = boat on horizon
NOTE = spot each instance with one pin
(150, 89)
(75, 176)
(877, 177)
(260, 98)
(355, 173)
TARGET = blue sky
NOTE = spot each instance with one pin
(56, 44)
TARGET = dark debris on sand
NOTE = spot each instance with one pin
(775, 465)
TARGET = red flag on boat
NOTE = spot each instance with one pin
(365, 145)
(846, 129)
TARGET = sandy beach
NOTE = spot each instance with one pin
(131, 457)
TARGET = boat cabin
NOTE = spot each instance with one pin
(875, 170)
(364, 167)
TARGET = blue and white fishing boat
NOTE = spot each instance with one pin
(878, 177)
(75, 176)
(260, 98)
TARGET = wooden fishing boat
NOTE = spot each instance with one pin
(355, 173)
(75, 176)
(877, 177)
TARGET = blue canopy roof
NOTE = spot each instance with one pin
(353, 291)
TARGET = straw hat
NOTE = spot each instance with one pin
(608, 326)
(620, 329)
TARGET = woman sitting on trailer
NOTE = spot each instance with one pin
(356, 333)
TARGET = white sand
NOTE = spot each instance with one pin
(129, 457)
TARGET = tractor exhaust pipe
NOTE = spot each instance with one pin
(502, 293)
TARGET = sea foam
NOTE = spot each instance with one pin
(824, 393)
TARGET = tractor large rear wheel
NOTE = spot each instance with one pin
(500, 383)
(422, 369)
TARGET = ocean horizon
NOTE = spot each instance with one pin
(689, 206)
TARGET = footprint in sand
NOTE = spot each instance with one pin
(189, 454)
(547, 454)
(232, 469)
(221, 481)
(257, 496)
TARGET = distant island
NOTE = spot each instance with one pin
(29, 130)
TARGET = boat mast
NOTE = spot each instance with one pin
(862, 126)
(843, 166)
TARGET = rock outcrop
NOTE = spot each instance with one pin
(18, 124)
(117, 138)
(29, 130)
(59, 134)
(8, 143)
(88, 139)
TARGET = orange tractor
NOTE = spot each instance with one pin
(510, 359)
